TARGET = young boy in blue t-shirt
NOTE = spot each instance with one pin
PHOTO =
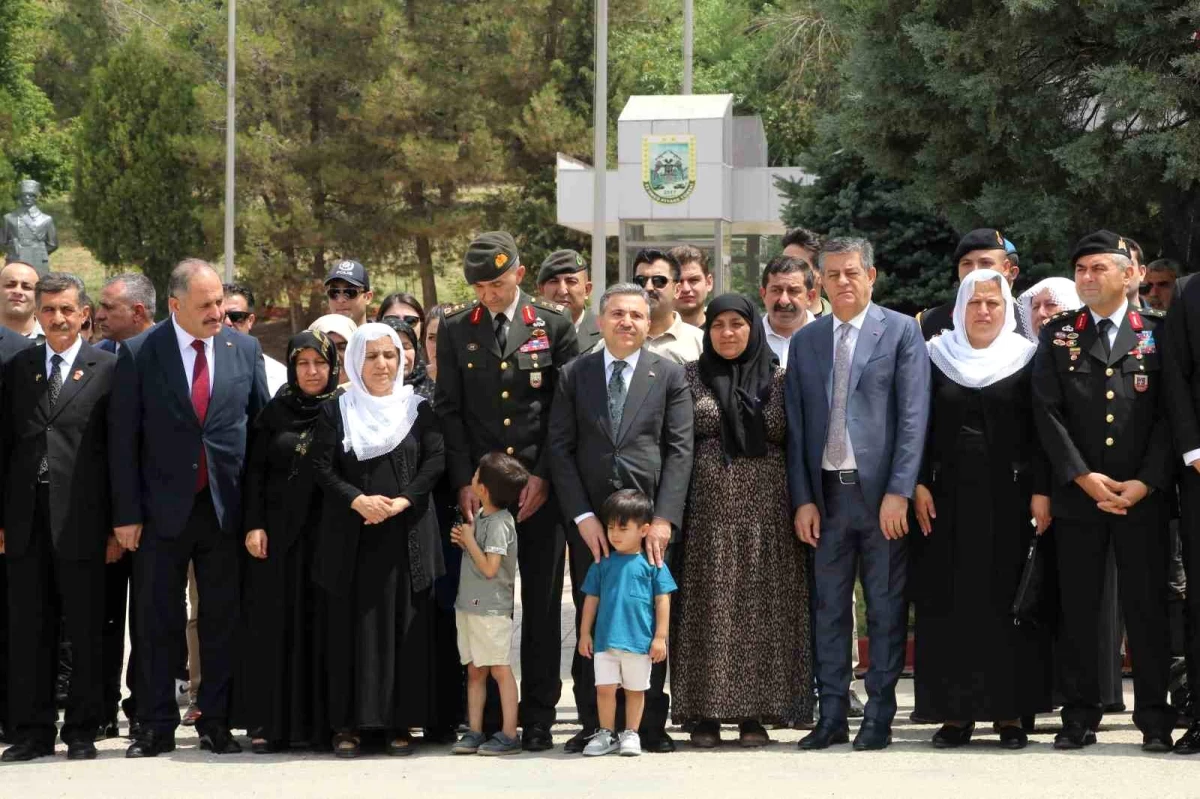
(629, 605)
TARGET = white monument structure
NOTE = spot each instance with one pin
(688, 172)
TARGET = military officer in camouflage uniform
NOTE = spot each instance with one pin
(1098, 384)
(497, 365)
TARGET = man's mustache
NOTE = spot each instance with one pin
(785, 308)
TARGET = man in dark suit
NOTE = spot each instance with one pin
(498, 361)
(185, 393)
(126, 309)
(563, 279)
(54, 521)
(1099, 392)
(10, 344)
(857, 398)
(622, 418)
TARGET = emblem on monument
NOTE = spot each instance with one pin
(669, 167)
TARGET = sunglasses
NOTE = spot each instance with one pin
(411, 321)
(659, 281)
(335, 293)
(237, 317)
(87, 325)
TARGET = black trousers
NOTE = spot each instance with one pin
(45, 591)
(160, 578)
(1189, 535)
(1141, 550)
(5, 721)
(541, 553)
(117, 579)
(583, 670)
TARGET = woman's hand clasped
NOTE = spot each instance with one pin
(256, 543)
(373, 508)
(924, 509)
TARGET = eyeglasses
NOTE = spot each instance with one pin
(411, 321)
(659, 281)
(335, 293)
(237, 317)
(87, 325)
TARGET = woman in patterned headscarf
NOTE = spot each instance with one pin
(283, 506)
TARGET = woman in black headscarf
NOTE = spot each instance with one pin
(415, 372)
(741, 650)
(277, 693)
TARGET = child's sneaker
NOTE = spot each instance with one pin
(500, 744)
(468, 744)
(602, 743)
(631, 743)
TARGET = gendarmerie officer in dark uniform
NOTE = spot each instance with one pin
(498, 360)
(983, 248)
(56, 522)
(1098, 386)
(563, 280)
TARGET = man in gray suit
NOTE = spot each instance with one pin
(622, 418)
(857, 397)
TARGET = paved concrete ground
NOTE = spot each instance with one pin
(911, 767)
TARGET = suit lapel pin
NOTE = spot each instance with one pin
(37, 378)
(651, 374)
(228, 343)
(78, 374)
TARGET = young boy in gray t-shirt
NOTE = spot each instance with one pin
(484, 606)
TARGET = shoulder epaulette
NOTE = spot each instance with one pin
(1153, 313)
(549, 306)
(455, 310)
(1062, 315)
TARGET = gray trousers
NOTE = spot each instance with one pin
(850, 535)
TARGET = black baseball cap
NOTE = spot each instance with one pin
(350, 271)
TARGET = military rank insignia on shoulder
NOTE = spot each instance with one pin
(1059, 317)
(1152, 313)
(549, 306)
(455, 310)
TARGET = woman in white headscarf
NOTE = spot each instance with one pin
(1043, 300)
(377, 455)
(984, 476)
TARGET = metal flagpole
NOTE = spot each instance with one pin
(600, 153)
(230, 135)
(688, 24)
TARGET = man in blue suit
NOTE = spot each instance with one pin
(184, 394)
(857, 397)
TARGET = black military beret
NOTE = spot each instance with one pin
(560, 262)
(1102, 241)
(984, 238)
(489, 256)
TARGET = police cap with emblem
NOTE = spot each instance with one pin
(984, 238)
(1101, 242)
(560, 262)
(489, 256)
(352, 272)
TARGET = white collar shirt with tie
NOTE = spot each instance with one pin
(188, 354)
(509, 313)
(68, 358)
(854, 326)
(1117, 317)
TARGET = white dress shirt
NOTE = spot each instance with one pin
(188, 354)
(1117, 317)
(68, 356)
(276, 374)
(780, 344)
(631, 362)
(37, 332)
(851, 342)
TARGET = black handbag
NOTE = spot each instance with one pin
(1027, 603)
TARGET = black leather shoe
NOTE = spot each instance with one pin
(81, 750)
(856, 710)
(1013, 738)
(151, 744)
(26, 750)
(1114, 707)
(917, 718)
(872, 736)
(661, 744)
(1189, 744)
(135, 730)
(218, 740)
(1074, 736)
(109, 729)
(536, 738)
(824, 736)
(575, 745)
(3, 733)
(1156, 742)
(951, 737)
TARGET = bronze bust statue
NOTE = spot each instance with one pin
(28, 234)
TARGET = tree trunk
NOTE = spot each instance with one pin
(425, 269)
